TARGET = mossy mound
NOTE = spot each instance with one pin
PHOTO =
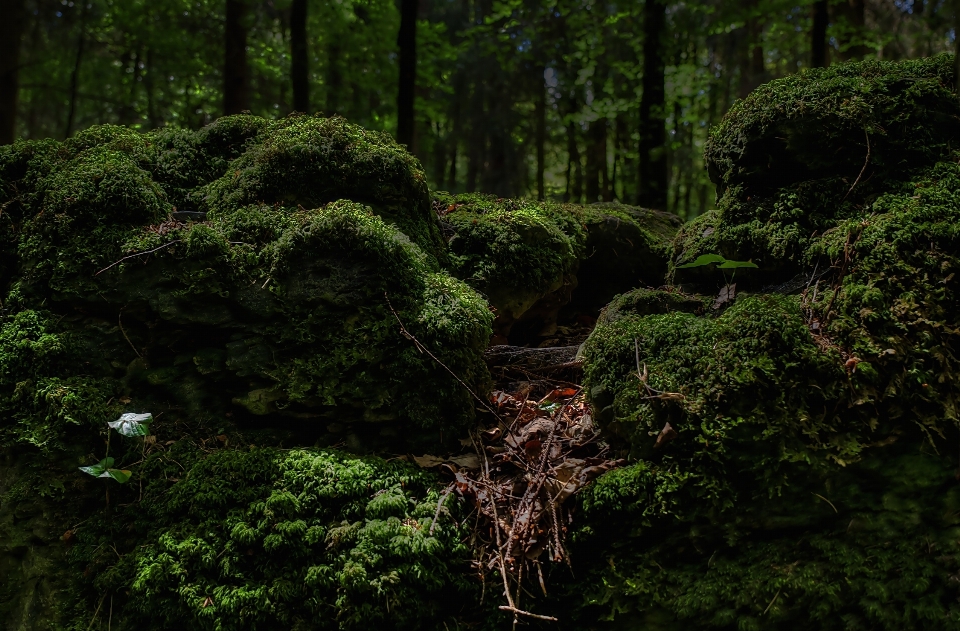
(165, 273)
(795, 453)
(262, 538)
(531, 258)
(803, 153)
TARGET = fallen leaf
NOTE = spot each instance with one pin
(666, 435)
(427, 461)
(726, 295)
(466, 461)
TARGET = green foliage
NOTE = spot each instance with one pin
(256, 538)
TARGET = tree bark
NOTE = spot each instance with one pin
(299, 71)
(407, 44)
(75, 74)
(653, 155)
(818, 34)
(541, 134)
(574, 169)
(853, 15)
(11, 32)
(236, 70)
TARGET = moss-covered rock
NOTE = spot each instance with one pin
(532, 258)
(803, 153)
(281, 276)
(794, 454)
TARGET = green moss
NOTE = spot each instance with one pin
(514, 251)
(261, 538)
(309, 161)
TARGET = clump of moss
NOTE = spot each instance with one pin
(257, 537)
(803, 153)
(514, 251)
(309, 162)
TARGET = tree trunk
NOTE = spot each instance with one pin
(299, 72)
(334, 80)
(653, 155)
(541, 133)
(11, 31)
(407, 43)
(75, 74)
(148, 85)
(598, 182)
(236, 71)
(574, 169)
(818, 35)
(852, 14)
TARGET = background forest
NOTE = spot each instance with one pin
(579, 100)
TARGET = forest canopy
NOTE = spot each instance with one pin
(573, 100)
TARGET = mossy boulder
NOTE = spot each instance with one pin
(532, 258)
(803, 153)
(170, 273)
(794, 453)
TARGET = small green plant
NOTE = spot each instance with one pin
(722, 263)
(130, 424)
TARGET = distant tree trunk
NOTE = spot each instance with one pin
(818, 34)
(407, 43)
(148, 85)
(457, 117)
(299, 72)
(853, 16)
(334, 80)
(653, 155)
(236, 71)
(75, 74)
(574, 191)
(597, 179)
(541, 134)
(11, 31)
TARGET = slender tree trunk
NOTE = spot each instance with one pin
(407, 43)
(236, 70)
(457, 117)
(11, 32)
(574, 168)
(818, 34)
(75, 74)
(598, 182)
(299, 71)
(334, 79)
(852, 14)
(541, 133)
(148, 86)
(653, 155)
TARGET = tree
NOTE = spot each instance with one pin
(236, 70)
(653, 156)
(818, 34)
(11, 29)
(299, 70)
(407, 43)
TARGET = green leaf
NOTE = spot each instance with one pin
(120, 475)
(736, 264)
(703, 259)
(98, 469)
(132, 424)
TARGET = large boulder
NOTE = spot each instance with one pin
(795, 449)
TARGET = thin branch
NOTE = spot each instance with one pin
(424, 349)
(865, 163)
(521, 612)
(135, 255)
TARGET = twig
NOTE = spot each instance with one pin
(865, 163)
(137, 254)
(436, 515)
(521, 612)
(421, 347)
(828, 502)
(772, 601)
(120, 324)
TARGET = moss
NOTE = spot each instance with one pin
(254, 538)
(309, 161)
(514, 251)
(810, 481)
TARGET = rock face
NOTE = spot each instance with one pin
(795, 451)
(254, 276)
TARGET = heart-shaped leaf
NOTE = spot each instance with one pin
(132, 424)
(736, 264)
(98, 469)
(120, 475)
(703, 259)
